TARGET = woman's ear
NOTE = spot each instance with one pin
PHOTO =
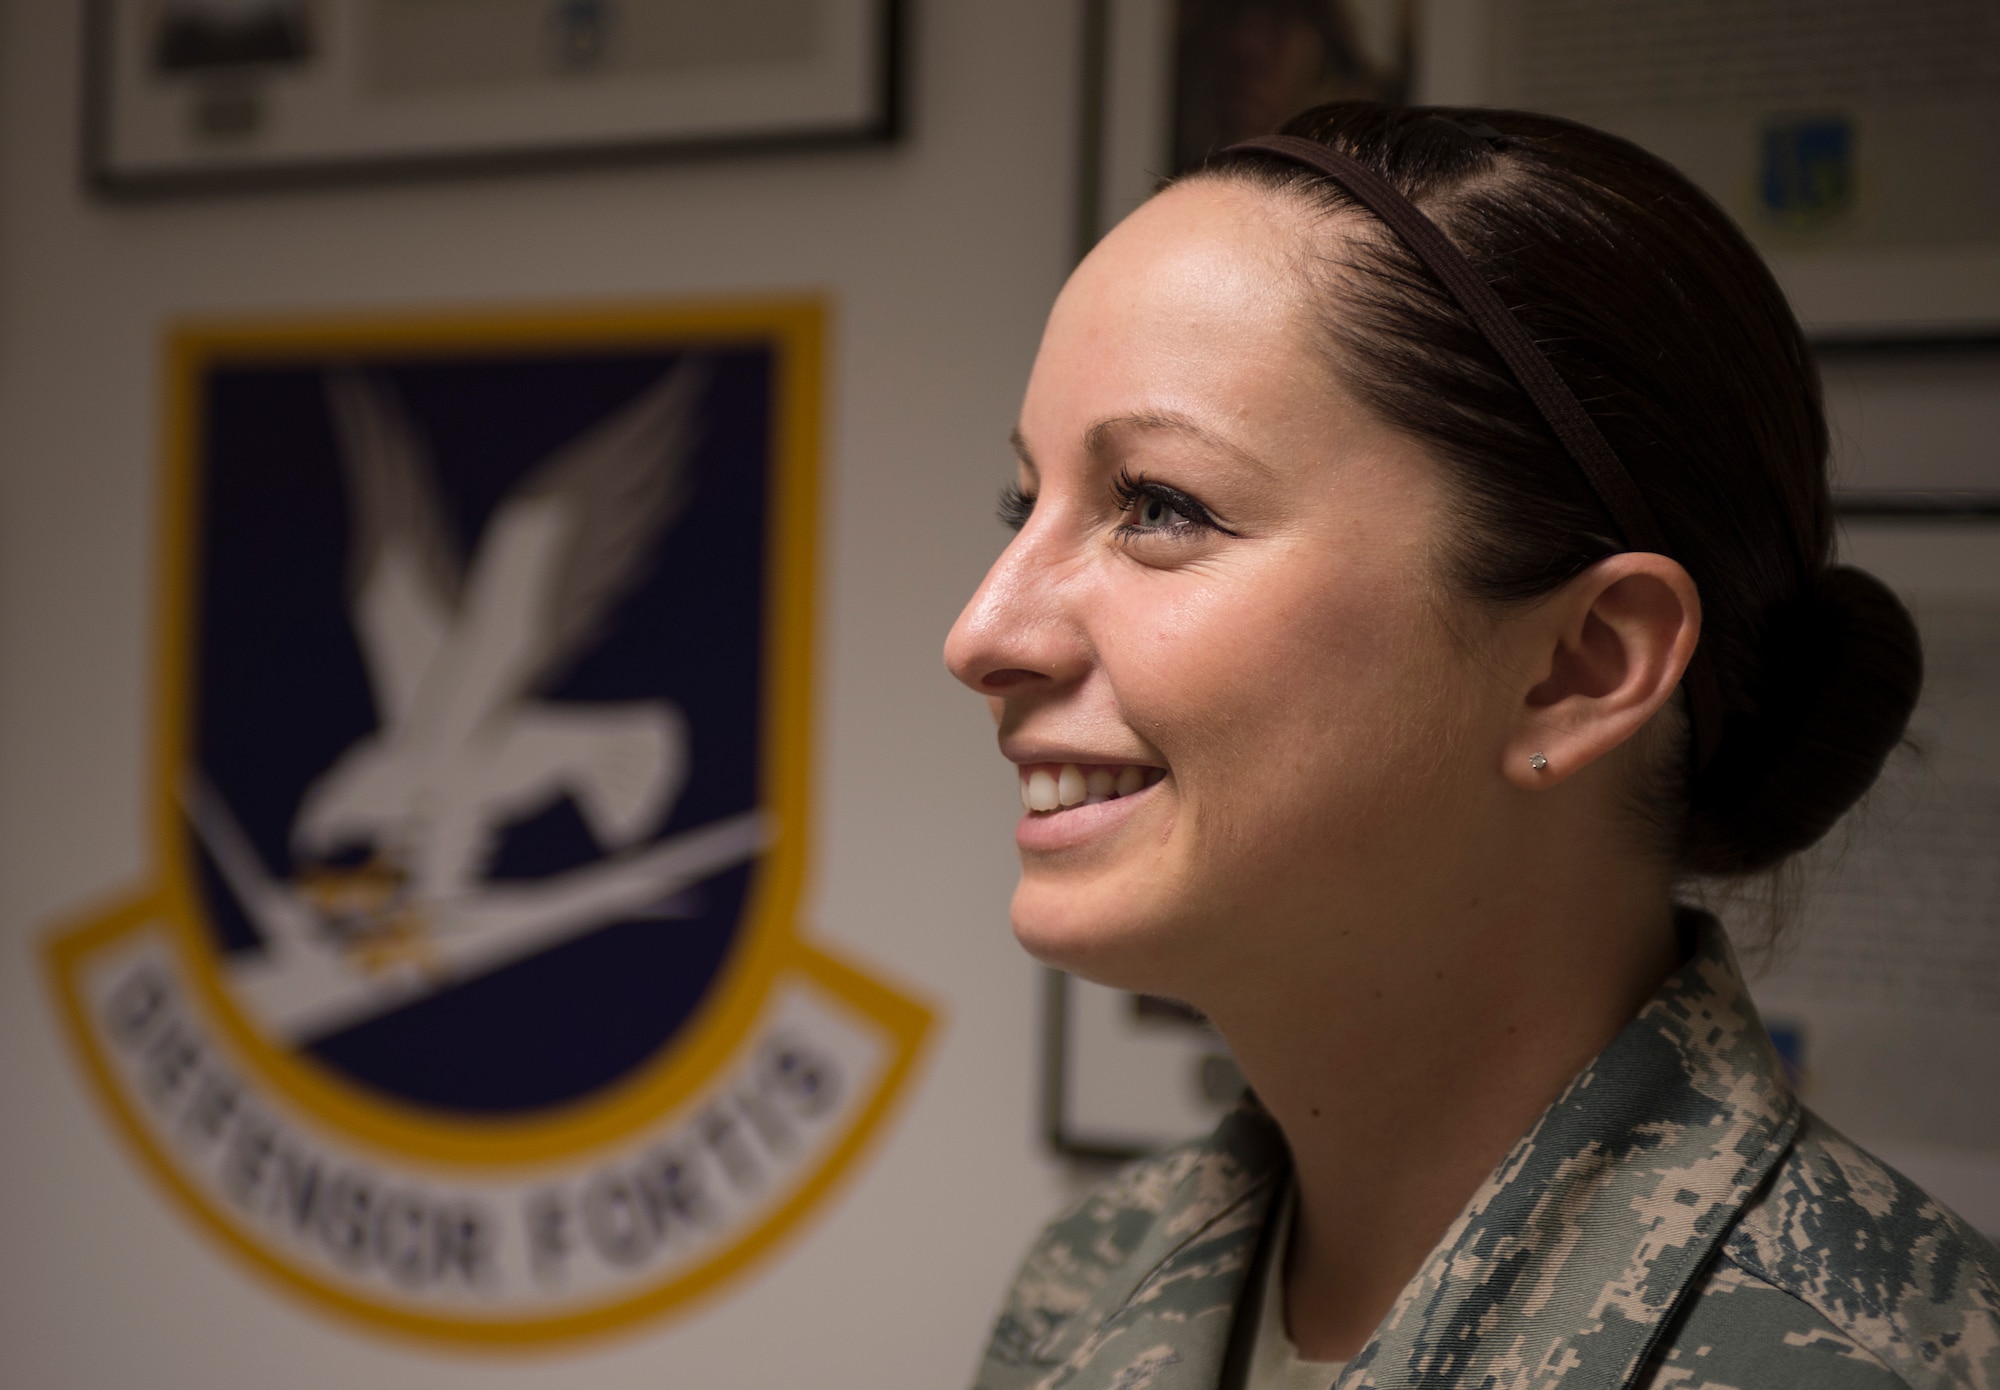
(1600, 657)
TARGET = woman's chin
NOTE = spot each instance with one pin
(1095, 935)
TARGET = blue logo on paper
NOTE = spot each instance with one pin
(1808, 169)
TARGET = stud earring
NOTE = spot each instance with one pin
(1537, 761)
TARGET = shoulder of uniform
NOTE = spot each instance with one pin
(1079, 1251)
(1887, 1266)
(1736, 1331)
(1129, 1220)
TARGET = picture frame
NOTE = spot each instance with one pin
(1838, 147)
(1127, 1074)
(1247, 64)
(1878, 215)
(189, 96)
(1912, 417)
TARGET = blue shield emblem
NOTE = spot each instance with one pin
(473, 792)
(472, 994)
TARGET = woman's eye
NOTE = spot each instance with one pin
(1154, 508)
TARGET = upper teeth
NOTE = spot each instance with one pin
(1048, 787)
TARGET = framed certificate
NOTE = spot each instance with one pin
(1836, 136)
(185, 95)
(1839, 139)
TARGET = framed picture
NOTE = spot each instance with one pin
(1837, 140)
(192, 94)
(1128, 1073)
(1835, 136)
(1913, 420)
(1167, 81)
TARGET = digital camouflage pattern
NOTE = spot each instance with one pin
(1675, 1219)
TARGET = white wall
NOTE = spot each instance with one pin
(940, 256)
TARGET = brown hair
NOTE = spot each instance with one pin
(1659, 315)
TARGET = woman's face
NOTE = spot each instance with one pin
(1226, 580)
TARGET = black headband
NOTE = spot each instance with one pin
(1558, 405)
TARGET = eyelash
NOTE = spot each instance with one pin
(1016, 506)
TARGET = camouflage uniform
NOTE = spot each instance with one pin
(1675, 1219)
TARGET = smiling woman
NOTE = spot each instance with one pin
(1423, 565)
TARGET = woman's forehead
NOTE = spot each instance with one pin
(1195, 305)
(1201, 253)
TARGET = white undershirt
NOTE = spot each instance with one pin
(1275, 1363)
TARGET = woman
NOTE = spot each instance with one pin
(1423, 566)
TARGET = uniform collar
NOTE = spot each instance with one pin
(1162, 1317)
(1564, 1265)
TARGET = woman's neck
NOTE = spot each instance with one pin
(1402, 1075)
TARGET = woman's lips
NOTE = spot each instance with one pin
(1069, 803)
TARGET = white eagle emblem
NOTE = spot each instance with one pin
(455, 655)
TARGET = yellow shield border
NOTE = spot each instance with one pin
(770, 949)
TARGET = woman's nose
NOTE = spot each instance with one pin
(1015, 631)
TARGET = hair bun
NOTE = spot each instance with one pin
(1841, 668)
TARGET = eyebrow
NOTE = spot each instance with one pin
(1020, 443)
(1096, 437)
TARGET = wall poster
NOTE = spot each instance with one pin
(189, 94)
(469, 995)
